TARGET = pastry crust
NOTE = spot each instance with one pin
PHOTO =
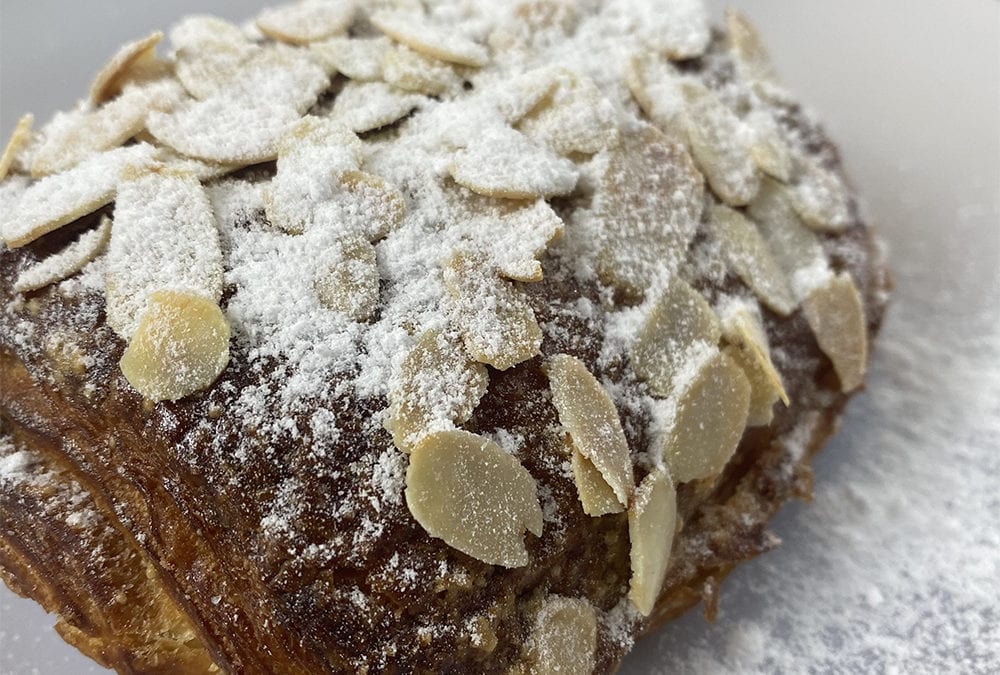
(260, 523)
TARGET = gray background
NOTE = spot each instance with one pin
(894, 566)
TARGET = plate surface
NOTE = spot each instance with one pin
(894, 565)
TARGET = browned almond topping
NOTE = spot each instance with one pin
(837, 317)
(180, 346)
(466, 490)
(680, 327)
(19, 138)
(589, 415)
(565, 637)
(647, 210)
(747, 254)
(67, 262)
(130, 61)
(652, 522)
(709, 420)
(497, 324)
(438, 387)
(742, 329)
(417, 33)
(349, 282)
(307, 20)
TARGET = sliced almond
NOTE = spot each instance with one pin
(180, 346)
(373, 205)
(747, 254)
(520, 95)
(122, 67)
(769, 150)
(797, 249)
(174, 162)
(67, 262)
(744, 331)
(71, 137)
(721, 145)
(312, 153)
(224, 130)
(648, 207)
(836, 314)
(565, 637)
(466, 490)
(404, 68)
(497, 324)
(679, 30)
(502, 162)
(589, 415)
(752, 57)
(57, 200)
(575, 117)
(679, 327)
(164, 238)
(19, 138)
(200, 32)
(349, 282)
(440, 42)
(820, 198)
(363, 106)
(307, 20)
(652, 523)
(438, 387)
(595, 494)
(214, 68)
(710, 417)
(655, 85)
(355, 58)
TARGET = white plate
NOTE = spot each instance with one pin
(895, 565)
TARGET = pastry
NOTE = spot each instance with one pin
(466, 337)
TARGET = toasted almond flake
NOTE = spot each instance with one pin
(164, 237)
(497, 324)
(71, 137)
(836, 314)
(575, 117)
(565, 637)
(595, 494)
(404, 68)
(440, 42)
(647, 209)
(502, 162)
(311, 155)
(769, 150)
(355, 58)
(793, 245)
(57, 200)
(224, 130)
(67, 262)
(655, 85)
(206, 71)
(752, 57)
(748, 256)
(363, 106)
(652, 523)
(307, 20)
(438, 387)
(709, 421)
(368, 200)
(173, 162)
(180, 346)
(19, 138)
(200, 32)
(820, 198)
(589, 415)
(349, 283)
(518, 97)
(679, 29)
(130, 58)
(720, 144)
(680, 326)
(466, 490)
(742, 329)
